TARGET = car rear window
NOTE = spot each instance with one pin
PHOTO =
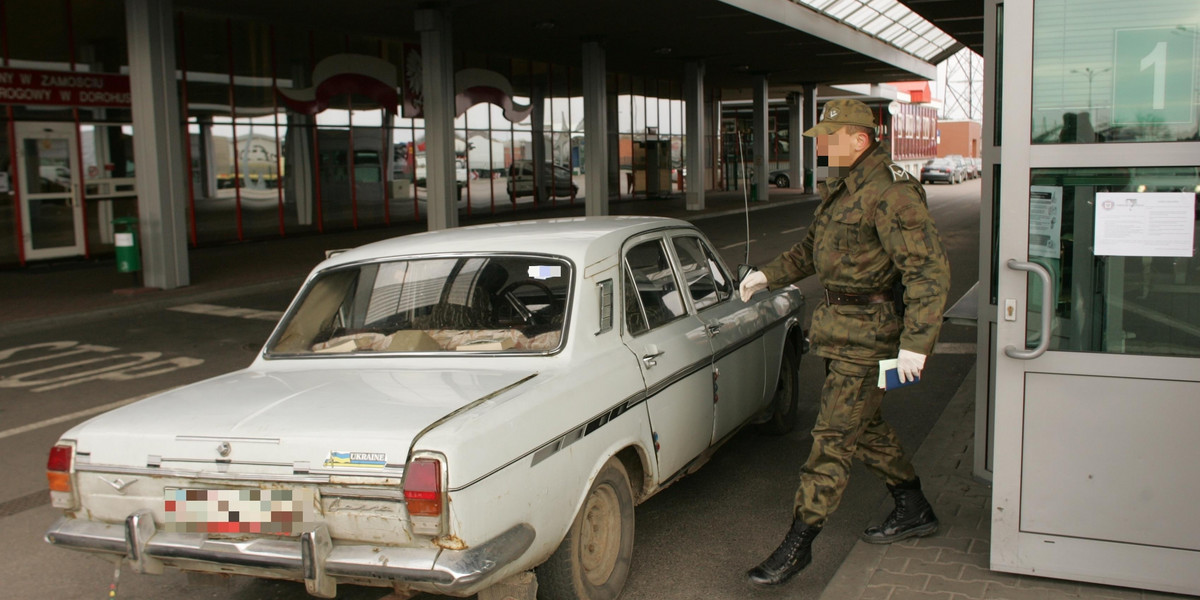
(453, 305)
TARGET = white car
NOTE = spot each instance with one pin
(441, 411)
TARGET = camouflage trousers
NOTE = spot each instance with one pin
(849, 426)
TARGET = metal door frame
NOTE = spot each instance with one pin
(1013, 550)
(26, 130)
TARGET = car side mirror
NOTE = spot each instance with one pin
(743, 270)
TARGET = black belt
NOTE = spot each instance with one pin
(832, 297)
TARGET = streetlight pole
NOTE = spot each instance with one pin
(1090, 73)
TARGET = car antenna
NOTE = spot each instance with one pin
(745, 193)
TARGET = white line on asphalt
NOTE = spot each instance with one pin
(229, 311)
(954, 348)
(736, 245)
(794, 230)
(75, 415)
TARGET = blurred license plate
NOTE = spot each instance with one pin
(279, 512)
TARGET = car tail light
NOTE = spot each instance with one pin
(425, 493)
(423, 487)
(58, 468)
(58, 475)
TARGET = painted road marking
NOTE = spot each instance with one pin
(95, 410)
(794, 230)
(87, 362)
(229, 311)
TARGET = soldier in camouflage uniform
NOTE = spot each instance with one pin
(871, 232)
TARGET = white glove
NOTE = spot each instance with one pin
(909, 365)
(752, 283)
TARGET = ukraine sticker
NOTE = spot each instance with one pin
(372, 460)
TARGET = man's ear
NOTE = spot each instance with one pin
(862, 141)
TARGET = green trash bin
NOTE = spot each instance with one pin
(129, 254)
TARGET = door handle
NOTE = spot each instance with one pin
(650, 357)
(713, 328)
(1047, 310)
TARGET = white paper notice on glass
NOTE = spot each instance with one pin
(1045, 221)
(1146, 224)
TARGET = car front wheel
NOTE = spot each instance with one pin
(592, 562)
(781, 181)
(786, 402)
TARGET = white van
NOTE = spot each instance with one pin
(460, 171)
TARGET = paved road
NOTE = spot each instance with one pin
(694, 540)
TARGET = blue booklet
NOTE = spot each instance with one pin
(889, 377)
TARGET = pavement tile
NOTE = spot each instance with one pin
(902, 551)
(979, 532)
(944, 542)
(921, 595)
(1003, 592)
(1044, 583)
(965, 558)
(947, 570)
(900, 580)
(964, 589)
(894, 564)
(881, 592)
(1105, 592)
(973, 573)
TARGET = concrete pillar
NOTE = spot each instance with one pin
(761, 137)
(595, 129)
(537, 118)
(437, 77)
(693, 99)
(795, 143)
(158, 142)
(809, 116)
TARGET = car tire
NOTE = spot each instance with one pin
(781, 181)
(785, 404)
(592, 562)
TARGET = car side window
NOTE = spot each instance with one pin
(706, 282)
(653, 281)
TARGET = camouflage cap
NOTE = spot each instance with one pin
(842, 112)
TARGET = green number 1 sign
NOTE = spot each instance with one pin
(1154, 75)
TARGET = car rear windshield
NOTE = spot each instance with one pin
(459, 305)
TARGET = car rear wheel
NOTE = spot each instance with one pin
(786, 402)
(592, 562)
(781, 181)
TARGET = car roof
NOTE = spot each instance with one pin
(574, 238)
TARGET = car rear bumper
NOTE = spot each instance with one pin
(312, 557)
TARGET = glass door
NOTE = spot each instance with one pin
(1097, 346)
(48, 179)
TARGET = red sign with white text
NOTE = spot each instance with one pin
(63, 88)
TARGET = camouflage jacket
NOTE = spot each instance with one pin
(873, 227)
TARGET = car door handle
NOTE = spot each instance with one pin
(650, 358)
(713, 328)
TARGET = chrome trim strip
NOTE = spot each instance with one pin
(182, 474)
(431, 568)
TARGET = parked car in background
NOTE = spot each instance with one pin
(782, 178)
(942, 169)
(554, 180)
(968, 167)
(440, 411)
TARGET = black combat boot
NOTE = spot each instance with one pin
(912, 517)
(792, 555)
